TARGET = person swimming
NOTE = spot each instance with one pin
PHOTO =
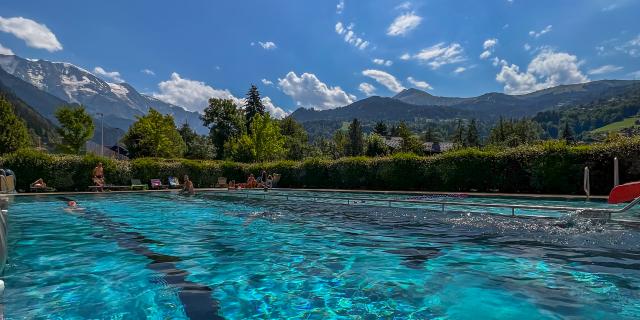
(72, 207)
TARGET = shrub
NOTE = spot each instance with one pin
(549, 167)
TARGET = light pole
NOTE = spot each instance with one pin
(101, 133)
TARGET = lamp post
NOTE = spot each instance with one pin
(101, 133)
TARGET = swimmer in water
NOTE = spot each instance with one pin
(72, 206)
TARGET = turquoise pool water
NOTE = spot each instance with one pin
(162, 256)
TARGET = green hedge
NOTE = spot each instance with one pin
(550, 167)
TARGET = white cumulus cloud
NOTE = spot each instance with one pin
(367, 88)
(269, 45)
(308, 91)
(5, 50)
(266, 82)
(535, 34)
(350, 37)
(419, 84)
(385, 79)
(109, 75)
(547, 69)
(608, 68)
(440, 54)
(34, 34)
(488, 47)
(190, 94)
(194, 95)
(405, 56)
(403, 24)
(382, 62)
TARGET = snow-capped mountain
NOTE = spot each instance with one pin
(119, 102)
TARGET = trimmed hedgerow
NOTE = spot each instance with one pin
(548, 167)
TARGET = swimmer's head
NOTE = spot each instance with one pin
(72, 203)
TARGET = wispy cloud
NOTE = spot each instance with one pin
(367, 88)
(419, 84)
(340, 7)
(608, 68)
(148, 72)
(266, 82)
(535, 34)
(382, 62)
(385, 79)
(109, 75)
(34, 34)
(403, 24)
(350, 36)
(268, 45)
(441, 54)
(488, 47)
(459, 70)
(5, 50)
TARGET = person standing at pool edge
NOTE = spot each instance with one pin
(188, 186)
(98, 176)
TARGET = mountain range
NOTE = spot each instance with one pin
(65, 83)
(412, 104)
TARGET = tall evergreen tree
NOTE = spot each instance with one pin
(76, 128)
(380, 128)
(252, 106)
(458, 136)
(356, 139)
(13, 131)
(567, 133)
(473, 138)
(431, 135)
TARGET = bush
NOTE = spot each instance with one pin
(548, 167)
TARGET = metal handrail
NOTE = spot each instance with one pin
(443, 204)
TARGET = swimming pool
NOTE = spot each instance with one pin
(162, 256)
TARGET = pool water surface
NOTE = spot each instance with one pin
(163, 256)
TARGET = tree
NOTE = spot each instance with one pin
(340, 144)
(264, 143)
(514, 133)
(376, 146)
(76, 128)
(458, 136)
(355, 146)
(410, 143)
(154, 135)
(13, 131)
(567, 133)
(252, 106)
(431, 135)
(472, 139)
(296, 140)
(225, 122)
(267, 139)
(380, 129)
(197, 146)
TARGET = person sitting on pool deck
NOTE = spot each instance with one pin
(98, 176)
(251, 182)
(188, 186)
(39, 184)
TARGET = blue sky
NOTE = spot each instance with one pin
(326, 54)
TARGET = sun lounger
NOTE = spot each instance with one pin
(174, 183)
(33, 188)
(222, 182)
(157, 184)
(136, 184)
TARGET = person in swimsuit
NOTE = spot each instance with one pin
(98, 176)
(188, 186)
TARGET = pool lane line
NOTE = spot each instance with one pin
(196, 298)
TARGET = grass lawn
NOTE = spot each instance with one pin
(616, 126)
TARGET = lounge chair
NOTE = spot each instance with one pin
(174, 183)
(34, 188)
(137, 184)
(222, 182)
(157, 184)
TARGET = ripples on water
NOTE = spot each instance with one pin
(278, 259)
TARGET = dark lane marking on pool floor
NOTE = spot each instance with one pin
(196, 298)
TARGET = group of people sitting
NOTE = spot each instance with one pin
(264, 180)
(98, 181)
